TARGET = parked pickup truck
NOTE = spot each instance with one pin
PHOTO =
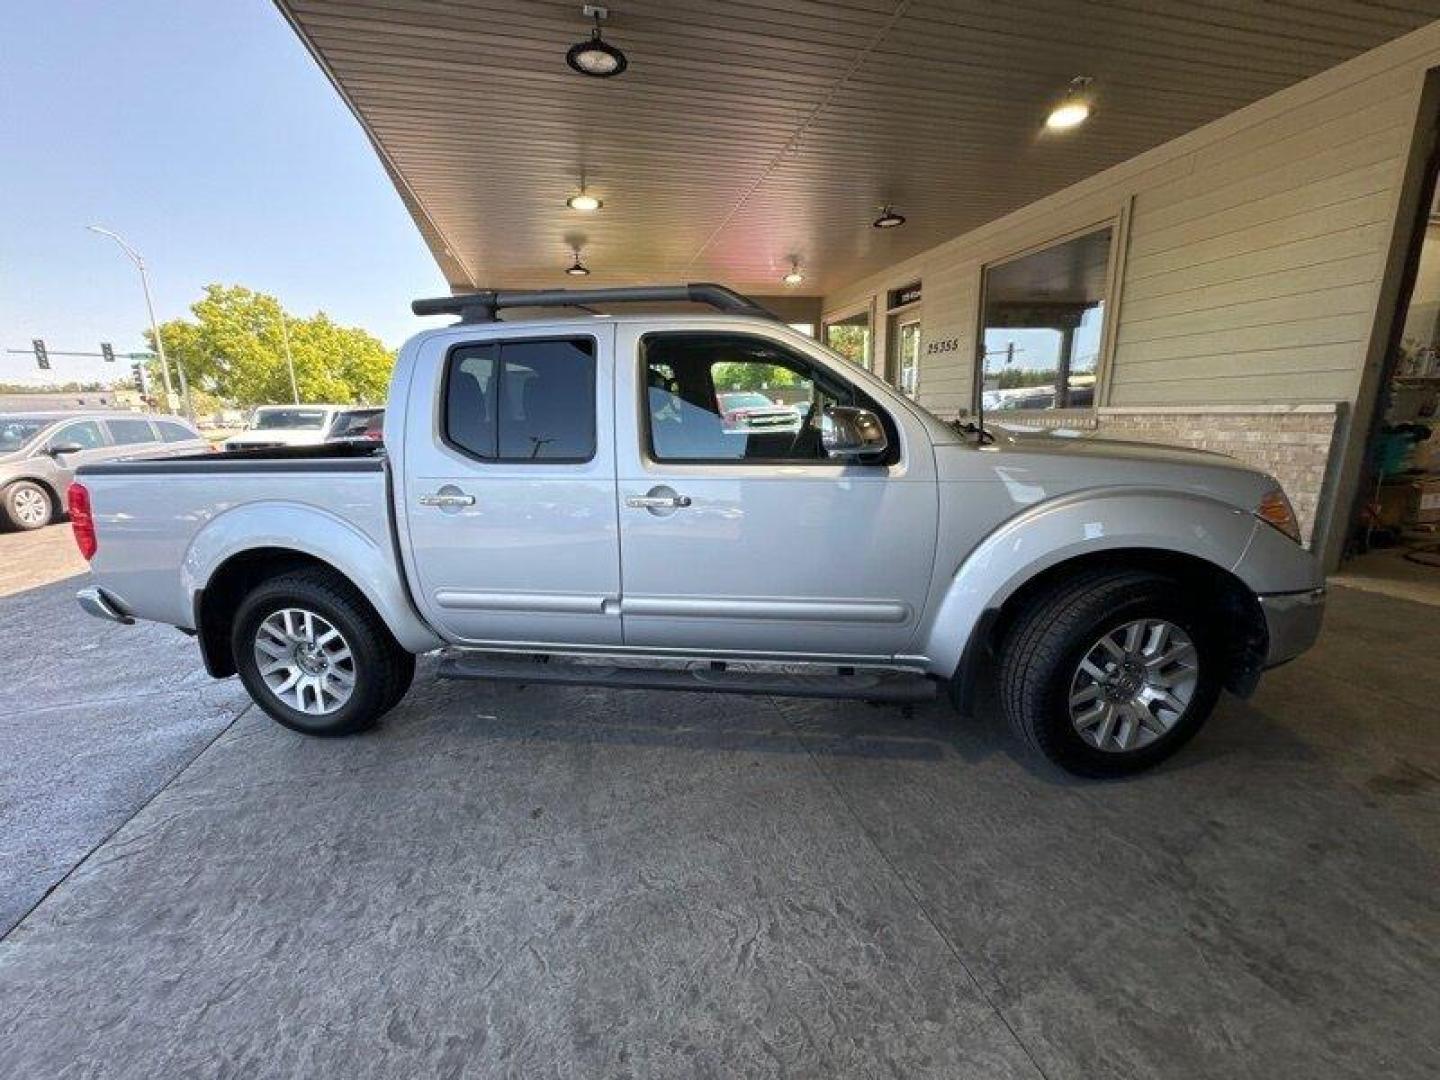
(567, 490)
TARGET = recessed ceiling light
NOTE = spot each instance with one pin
(577, 268)
(888, 219)
(596, 57)
(1075, 109)
(794, 277)
(583, 202)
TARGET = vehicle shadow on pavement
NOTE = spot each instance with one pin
(929, 732)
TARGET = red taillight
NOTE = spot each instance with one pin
(82, 524)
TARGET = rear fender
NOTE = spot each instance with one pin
(371, 565)
(1082, 523)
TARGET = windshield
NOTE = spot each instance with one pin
(288, 419)
(744, 401)
(16, 431)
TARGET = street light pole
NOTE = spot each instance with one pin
(289, 359)
(149, 303)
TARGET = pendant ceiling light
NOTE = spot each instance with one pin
(577, 268)
(584, 202)
(1076, 107)
(794, 277)
(888, 219)
(596, 57)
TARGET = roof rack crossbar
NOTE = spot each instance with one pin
(484, 305)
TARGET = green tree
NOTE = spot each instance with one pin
(235, 348)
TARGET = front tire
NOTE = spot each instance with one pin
(1110, 673)
(314, 655)
(27, 505)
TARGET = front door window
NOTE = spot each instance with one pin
(724, 398)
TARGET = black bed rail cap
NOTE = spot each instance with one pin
(484, 305)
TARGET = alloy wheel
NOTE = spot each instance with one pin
(305, 661)
(1133, 685)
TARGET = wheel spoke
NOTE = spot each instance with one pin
(1080, 697)
(1129, 724)
(1174, 656)
(1133, 634)
(1113, 647)
(1094, 672)
(1107, 727)
(1094, 716)
(272, 649)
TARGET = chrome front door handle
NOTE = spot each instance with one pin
(447, 498)
(658, 502)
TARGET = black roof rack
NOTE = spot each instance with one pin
(484, 305)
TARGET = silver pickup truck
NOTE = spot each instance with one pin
(562, 501)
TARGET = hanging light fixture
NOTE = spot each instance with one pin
(577, 268)
(1076, 107)
(888, 219)
(794, 277)
(596, 57)
(584, 202)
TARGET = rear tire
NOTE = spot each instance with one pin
(1111, 672)
(27, 505)
(314, 655)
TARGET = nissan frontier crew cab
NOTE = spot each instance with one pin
(570, 490)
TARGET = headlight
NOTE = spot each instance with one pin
(1275, 509)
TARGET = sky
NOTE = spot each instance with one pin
(207, 137)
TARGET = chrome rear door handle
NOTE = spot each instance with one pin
(658, 502)
(437, 499)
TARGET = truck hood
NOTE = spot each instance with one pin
(1056, 464)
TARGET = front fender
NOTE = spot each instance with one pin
(370, 562)
(1081, 523)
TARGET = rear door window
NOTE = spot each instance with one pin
(130, 432)
(523, 400)
(173, 432)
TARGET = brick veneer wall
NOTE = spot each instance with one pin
(1294, 443)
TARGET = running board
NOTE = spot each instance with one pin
(895, 687)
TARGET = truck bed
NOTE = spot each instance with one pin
(164, 525)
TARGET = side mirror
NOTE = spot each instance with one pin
(56, 449)
(849, 432)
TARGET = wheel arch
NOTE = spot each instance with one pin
(1225, 596)
(214, 604)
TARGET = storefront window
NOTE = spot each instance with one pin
(850, 337)
(1043, 327)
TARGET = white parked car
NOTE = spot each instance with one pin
(273, 426)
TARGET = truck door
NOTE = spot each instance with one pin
(507, 486)
(737, 532)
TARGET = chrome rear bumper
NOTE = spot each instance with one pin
(98, 603)
(1293, 621)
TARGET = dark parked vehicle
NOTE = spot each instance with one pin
(365, 425)
(39, 453)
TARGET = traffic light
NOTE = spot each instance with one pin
(141, 382)
(107, 351)
(42, 357)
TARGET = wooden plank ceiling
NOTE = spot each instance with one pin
(745, 134)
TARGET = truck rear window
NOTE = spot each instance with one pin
(522, 400)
